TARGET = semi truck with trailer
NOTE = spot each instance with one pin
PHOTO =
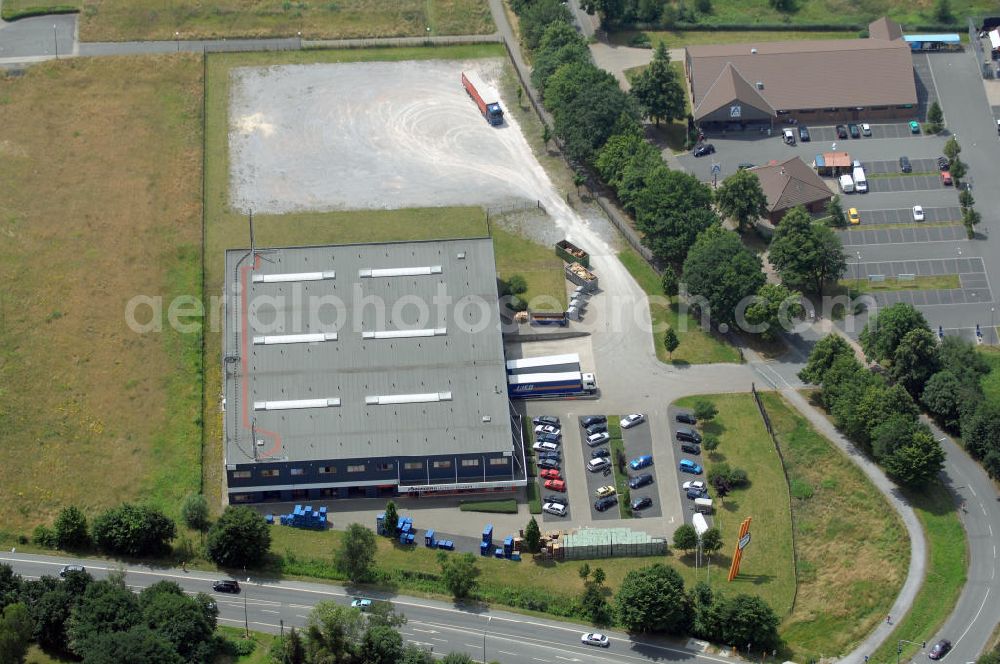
(485, 96)
(548, 385)
(544, 364)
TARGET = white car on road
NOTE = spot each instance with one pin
(600, 463)
(554, 508)
(595, 639)
(918, 213)
(632, 420)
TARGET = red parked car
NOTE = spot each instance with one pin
(555, 485)
(550, 474)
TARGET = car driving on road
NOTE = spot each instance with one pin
(940, 649)
(704, 149)
(361, 604)
(66, 569)
(226, 586)
(595, 639)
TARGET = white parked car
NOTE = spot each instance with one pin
(632, 420)
(600, 463)
(545, 447)
(554, 508)
(866, 129)
(918, 213)
(595, 439)
(595, 639)
(546, 428)
(693, 484)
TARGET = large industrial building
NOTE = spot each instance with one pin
(366, 370)
(829, 80)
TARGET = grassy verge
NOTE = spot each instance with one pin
(697, 346)
(122, 20)
(493, 506)
(678, 38)
(80, 242)
(852, 551)
(617, 446)
(744, 443)
(936, 282)
(945, 576)
(260, 653)
(991, 381)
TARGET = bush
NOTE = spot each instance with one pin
(240, 538)
(194, 512)
(133, 530)
(44, 537)
(71, 529)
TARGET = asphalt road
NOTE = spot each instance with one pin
(442, 626)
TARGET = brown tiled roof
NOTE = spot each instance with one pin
(812, 74)
(729, 86)
(790, 183)
(885, 28)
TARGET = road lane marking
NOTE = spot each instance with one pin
(269, 611)
(434, 638)
(975, 617)
(299, 615)
(505, 652)
(469, 645)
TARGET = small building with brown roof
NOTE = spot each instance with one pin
(811, 80)
(790, 183)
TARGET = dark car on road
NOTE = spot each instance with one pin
(556, 498)
(641, 503)
(940, 649)
(593, 419)
(841, 131)
(640, 481)
(600, 452)
(686, 418)
(803, 133)
(226, 586)
(601, 504)
(704, 149)
(69, 569)
(691, 448)
(904, 165)
(855, 130)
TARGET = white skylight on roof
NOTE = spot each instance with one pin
(293, 276)
(404, 334)
(374, 273)
(295, 404)
(271, 339)
(389, 399)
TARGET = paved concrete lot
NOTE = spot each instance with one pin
(921, 268)
(900, 215)
(406, 135)
(880, 166)
(889, 235)
(971, 271)
(905, 183)
(639, 442)
(926, 84)
(687, 506)
(828, 133)
(920, 298)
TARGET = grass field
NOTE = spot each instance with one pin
(743, 443)
(493, 506)
(539, 266)
(852, 550)
(678, 38)
(697, 346)
(124, 20)
(100, 168)
(991, 381)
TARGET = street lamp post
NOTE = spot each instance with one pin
(246, 615)
(177, 40)
(857, 272)
(55, 41)
(899, 646)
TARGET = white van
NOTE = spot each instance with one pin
(846, 184)
(860, 183)
(703, 505)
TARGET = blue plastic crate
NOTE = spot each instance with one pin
(484, 548)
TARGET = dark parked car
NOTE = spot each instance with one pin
(743, 165)
(691, 448)
(943, 163)
(549, 437)
(601, 504)
(693, 493)
(686, 418)
(548, 463)
(688, 435)
(841, 131)
(904, 165)
(640, 481)
(855, 130)
(641, 503)
(556, 498)
(600, 452)
(597, 427)
(803, 133)
(940, 649)
(704, 149)
(593, 419)
(551, 420)
(226, 586)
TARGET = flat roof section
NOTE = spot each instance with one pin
(364, 351)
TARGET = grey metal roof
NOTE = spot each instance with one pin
(466, 360)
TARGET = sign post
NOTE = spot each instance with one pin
(741, 543)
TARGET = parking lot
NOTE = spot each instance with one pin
(903, 215)
(901, 182)
(828, 133)
(639, 442)
(971, 272)
(860, 236)
(686, 503)
(888, 167)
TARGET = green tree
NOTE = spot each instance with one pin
(704, 410)
(333, 631)
(179, 619)
(668, 282)
(10, 585)
(138, 645)
(971, 219)
(981, 435)
(685, 538)
(240, 538)
(585, 102)
(741, 198)
(877, 403)
(710, 442)
(952, 149)
(579, 179)
(721, 270)
(194, 512)
(532, 536)
(658, 89)
(890, 434)
(106, 606)
(599, 576)
(963, 358)
(917, 462)
(935, 118)
(774, 308)
(671, 209)
(621, 151)
(391, 513)
(886, 329)
(356, 554)
(965, 199)
(381, 644)
(711, 540)
(546, 135)
(133, 530)
(457, 658)
(71, 529)
(594, 606)
(584, 571)
(837, 217)
(289, 649)
(15, 633)
(459, 573)
(749, 619)
(942, 13)
(915, 360)
(826, 351)
(958, 169)
(704, 7)
(413, 654)
(942, 396)
(706, 607)
(806, 255)
(670, 341)
(652, 599)
(538, 16)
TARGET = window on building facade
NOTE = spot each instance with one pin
(499, 461)
(413, 465)
(296, 472)
(441, 464)
(270, 472)
(360, 468)
(386, 466)
(327, 470)
(240, 497)
(241, 474)
(469, 462)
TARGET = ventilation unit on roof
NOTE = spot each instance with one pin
(753, 51)
(487, 418)
(760, 85)
(461, 255)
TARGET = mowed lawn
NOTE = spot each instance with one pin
(768, 568)
(679, 38)
(697, 346)
(125, 20)
(991, 381)
(100, 168)
(852, 549)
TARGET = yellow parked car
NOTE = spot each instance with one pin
(853, 216)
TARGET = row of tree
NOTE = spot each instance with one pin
(104, 622)
(239, 538)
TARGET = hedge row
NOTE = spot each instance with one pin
(780, 27)
(13, 15)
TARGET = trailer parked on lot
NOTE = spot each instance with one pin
(548, 318)
(544, 364)
(581, 276)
